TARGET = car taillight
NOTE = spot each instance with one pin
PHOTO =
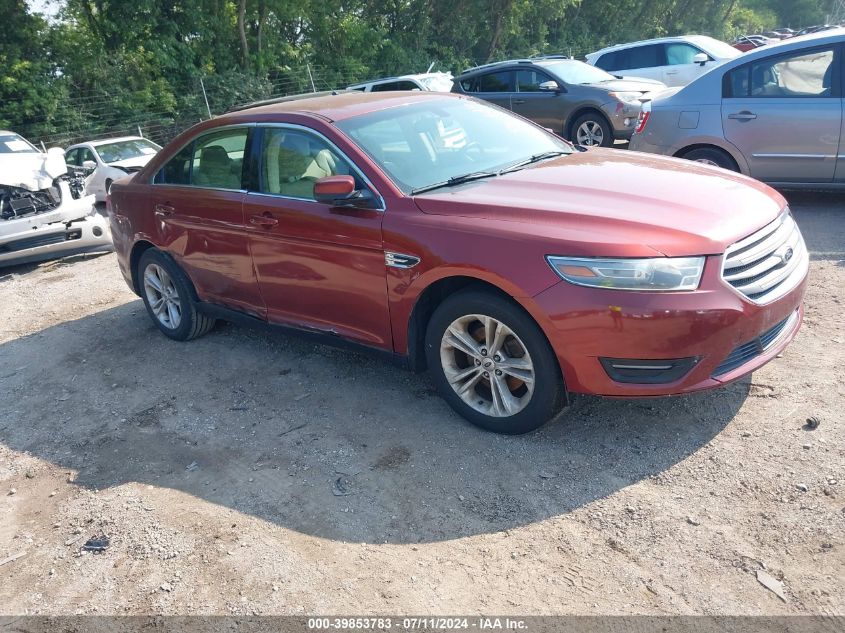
(642, 121)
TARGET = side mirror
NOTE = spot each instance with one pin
(549, 86)
(89, 164)
(55, 151)
(700, 59)
(336, 190)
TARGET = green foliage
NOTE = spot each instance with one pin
(107, 66)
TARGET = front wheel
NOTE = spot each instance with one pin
(492, 363)
(591, 130)
(166, 293)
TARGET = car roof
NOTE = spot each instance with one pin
(384, 80)
(106, 141)
(546, 60)
(658, 40)
(332, 106)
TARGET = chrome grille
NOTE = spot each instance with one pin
(753, 348)
(767, 264)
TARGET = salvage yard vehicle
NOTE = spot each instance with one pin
(675, 61)
(436, 82)
(774, 114)
(44, 212)
(516, 267)
(109, 160)
(567, 96)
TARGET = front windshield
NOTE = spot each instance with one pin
(573, 72)
(14, 144)
(124, 150)
(433, 140)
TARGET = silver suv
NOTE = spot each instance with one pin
(571, 98)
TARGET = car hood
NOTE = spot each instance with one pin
(31, 170)
(629, 84)
(137, 161)
(618, 204)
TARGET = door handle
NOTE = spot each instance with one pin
(164, 210)
(265, 219)
(745, 115)
(671, 72)
(519, 101)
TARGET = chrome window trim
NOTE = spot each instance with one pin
(194, 139)
(382, 207)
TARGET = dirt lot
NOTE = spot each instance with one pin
(252, 473)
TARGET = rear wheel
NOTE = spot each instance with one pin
(592, 130)
(492, 363)
(167, 296)
(712, 156)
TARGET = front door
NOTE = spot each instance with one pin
(544, 107)
(784, 113)
(319, 267)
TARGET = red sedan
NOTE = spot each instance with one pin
(450, 234)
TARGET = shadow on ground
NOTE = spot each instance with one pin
(322, 441)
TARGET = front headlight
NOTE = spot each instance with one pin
(631, 98)
(654, 273)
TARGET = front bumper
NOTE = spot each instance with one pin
(59, 239)
(622, 117)
(710, 325)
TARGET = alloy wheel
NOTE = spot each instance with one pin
(162, 296)
(589, 133)
(487, 365)
(707, 161)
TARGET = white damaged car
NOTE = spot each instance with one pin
(44, 212)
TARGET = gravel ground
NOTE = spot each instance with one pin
(252, 473)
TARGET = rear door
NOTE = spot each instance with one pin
(784, 113)
(646, 61)
(197, 201)
(545, 107)
(495, 87)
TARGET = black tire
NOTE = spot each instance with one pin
(547, 398)
(595, 119)
(192, 323)
(712, 156)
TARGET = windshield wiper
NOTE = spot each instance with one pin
(455, 180)
(536, 158)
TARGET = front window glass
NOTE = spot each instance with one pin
(292, 161)
(573, 72)
(124, 150)
(428, 142)
(801, 75)
(530, 80)
(678, 54)
(14, 144)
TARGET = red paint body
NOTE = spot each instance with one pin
(318, 267)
